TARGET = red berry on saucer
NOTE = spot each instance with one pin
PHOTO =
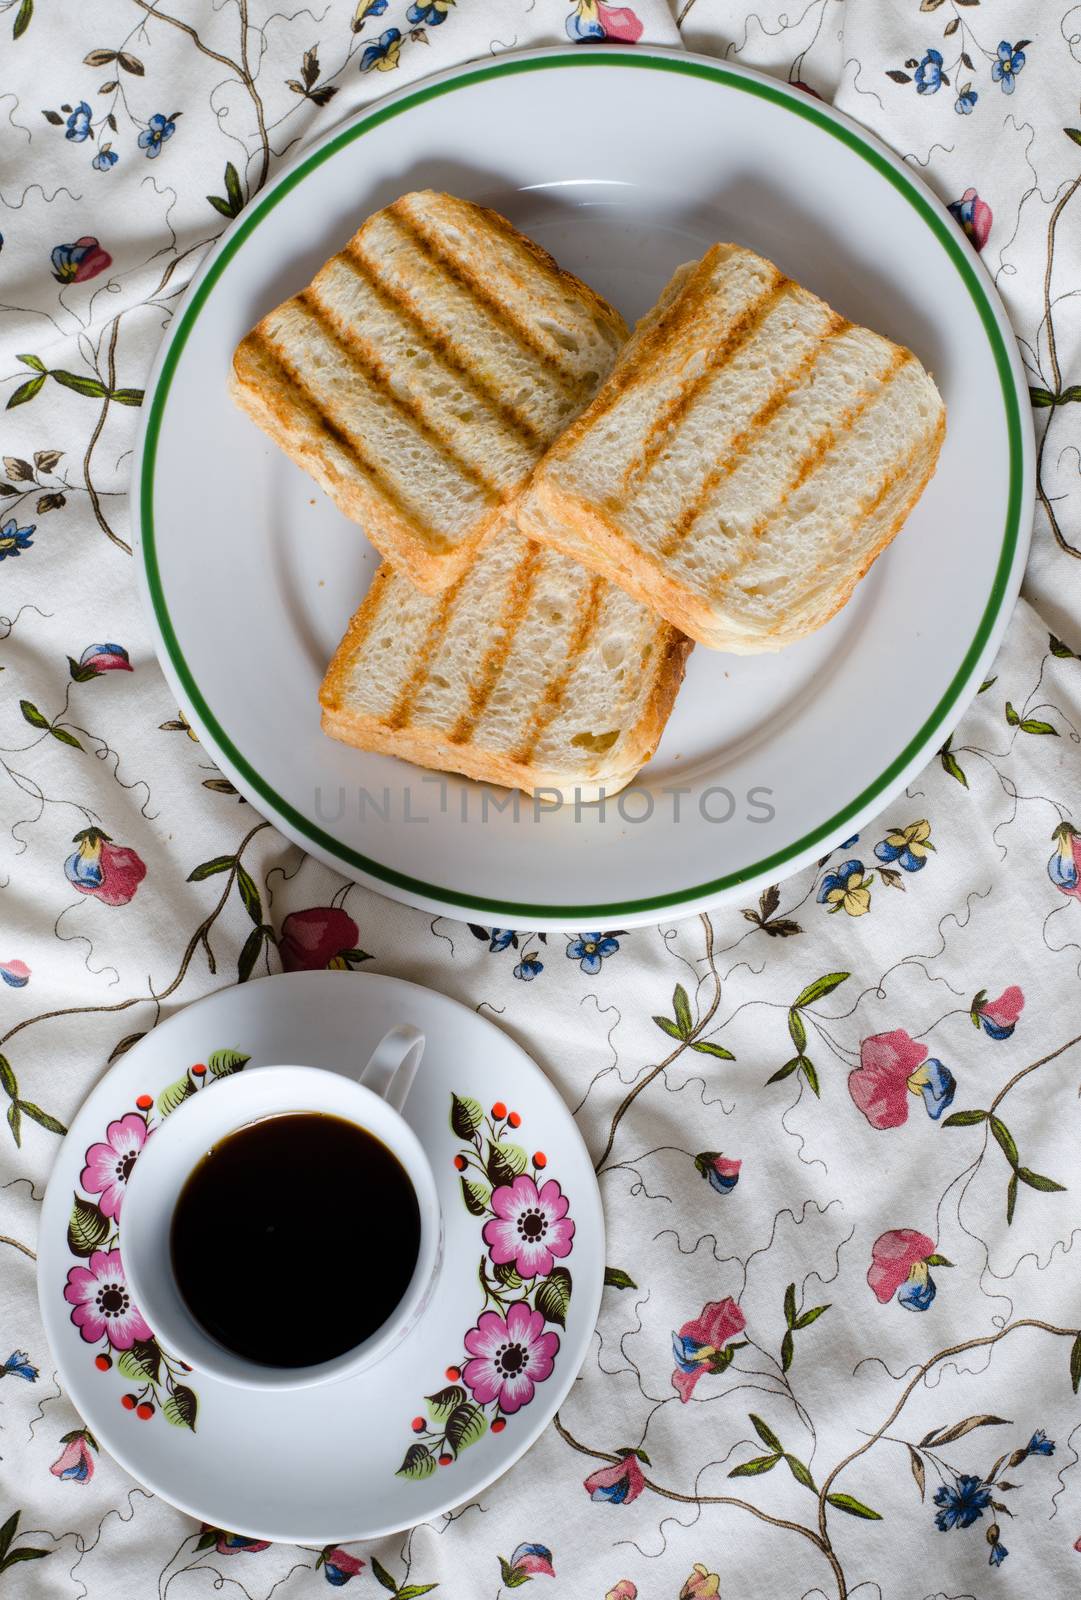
(128, 1402)
(103, 1363)
(453, 1374)
(144, 1102)
(199, 1070)
(499, 1424)
(417, 1424)
(540, 1159)
(515, 1120)
(144, 1411)
(445, 1461)
(460, 1163)
(499, 1111)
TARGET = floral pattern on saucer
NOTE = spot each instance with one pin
(528, 1233)
(97, 1289)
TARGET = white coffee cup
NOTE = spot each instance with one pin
(373, 1102)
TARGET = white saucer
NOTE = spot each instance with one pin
(320, 1466)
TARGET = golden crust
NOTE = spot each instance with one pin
(439, 749)
(275, 400)
(594, 534)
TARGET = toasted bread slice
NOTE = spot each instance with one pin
(424, 371)
(750, 456)
(528, 672)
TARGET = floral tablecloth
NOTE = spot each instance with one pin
(836, 1128)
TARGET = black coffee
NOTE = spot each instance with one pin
(295, 1238)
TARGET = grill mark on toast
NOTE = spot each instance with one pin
(557, 687)
(744, 326)
(452, 354)
(513, 612)
(433, 637)
(466, 279)
(741, 443)
(304, 401)
(820, 448)
(847, 420)
(362, 356)
(646, 348)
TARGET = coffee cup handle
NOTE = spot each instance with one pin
(393, 1065)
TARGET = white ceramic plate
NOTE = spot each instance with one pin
(623, 163)
(321, 1466)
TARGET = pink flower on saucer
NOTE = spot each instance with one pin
(16, 974)
(108, 1165)
(530, 1226)
(103, 1304)
(510, 1357)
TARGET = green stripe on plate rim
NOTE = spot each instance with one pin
(956, 248)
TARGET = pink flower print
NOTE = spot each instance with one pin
(339, 1566)
(998, 1018)
(530, 1226)
(619, 1484)
(619, 22)
(626, 1590)
(322, 936)
(699, 1346)
(899, 1266)
(108, 1165)
(110, 872)
(74, 1463)
(974, 215)
(510, 1357)
(533, 1559)
(229, 1544)
(879, 1085)
(16, 974)
(701, 1585)
(103, 1305)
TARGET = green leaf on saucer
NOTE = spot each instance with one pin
(465, 1425)
(444, 1402)
(174, 1093)
(419, 1463)
(223, 1063)
(181, 1407)
(553, 1296)
(88, 1228)
(466, 1116)
(476, 1197)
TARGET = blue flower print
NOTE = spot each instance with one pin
(936, 1084)
(998, 1554)
(917, 1293)
(1040, 1444)
(962, 1503)
(500, 938)
(907, 846)
(929, 73)
(105, 158)
(383, 55)
(154, 136)
(847, 889)
(433, 14)
(590, 949)
(18, 1365)
(374, 8)
(1011, 58)
(965, 101)
(528, 968)
(79, 123)
(14, 540)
